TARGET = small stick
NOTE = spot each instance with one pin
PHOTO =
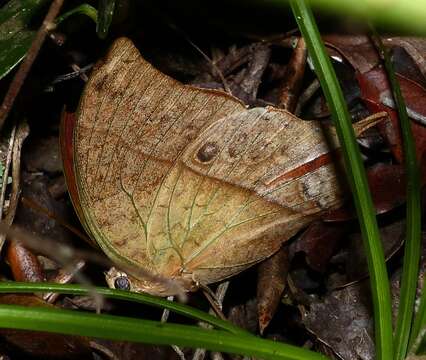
(292, 82)
(31, 204)
(164, 318)
(77, 72)
(306, 96)
(24, 68)
(20, 135)
(103, 350)
(64, 276)
(6, 170)
(221, 290)
(212, 64)
(215, 302)
(204, 55)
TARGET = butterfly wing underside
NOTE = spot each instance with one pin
(183, 181)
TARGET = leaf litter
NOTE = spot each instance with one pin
(209, 159)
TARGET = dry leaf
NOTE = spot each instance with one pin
(375, 91)
(343, 321)
(21, 344)
(360, 52)
(318, 242)
(186, 183)
(388, 190)
(271, 280)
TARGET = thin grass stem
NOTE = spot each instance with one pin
(146, 331)
(356, 177)
(146, 299)
(412, 247)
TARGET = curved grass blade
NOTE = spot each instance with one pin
(146, 331)
(181, 309)
(84, 9)
(413, 224)
(16, 32)
(356, 177)
(421, 349)
(394, 15)
(417, 342)
(105, 14)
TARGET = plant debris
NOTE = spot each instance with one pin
(196, 159)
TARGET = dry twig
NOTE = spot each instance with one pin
(199, 354)
(292, 83)
(21, 133)
(6, 170)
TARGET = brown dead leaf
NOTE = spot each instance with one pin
(271, 280)
(392, 237)
(343, 321)
(375, 91)
(349, 311)
(120, 350)
(388, 190)
(318, 242)
(360, 52)
(414, 46)
(353, 257)
(23, 263)
(36, 344)
(186, 183)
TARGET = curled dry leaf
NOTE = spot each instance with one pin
(388, 190)
(318, 242)
(375, 91)
(188, 184)
(271, 280)
(360, 52)
(23, 263)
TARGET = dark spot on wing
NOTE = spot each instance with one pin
(207, 152)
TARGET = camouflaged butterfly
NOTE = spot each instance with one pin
(186, 183)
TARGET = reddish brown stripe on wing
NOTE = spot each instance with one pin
(307, 167)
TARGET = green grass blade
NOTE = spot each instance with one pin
(105, 14)
(152, 332)
(417, 335)
(185, 310)
(83, 9)
(421, 348)
(356, 177)
(413, 227)
(395, 15)
(17, 31)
